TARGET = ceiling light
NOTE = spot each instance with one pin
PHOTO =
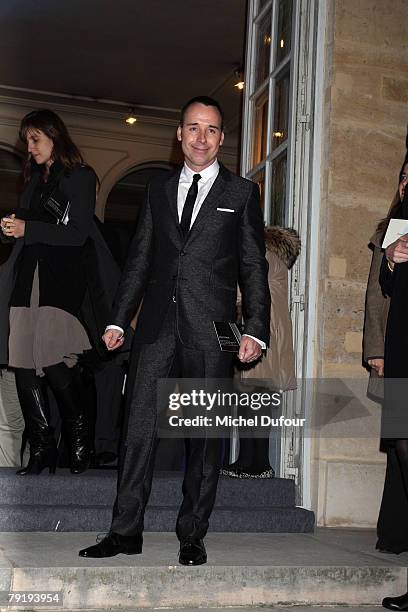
(131, 118)
(278, 134)
(240, 79)
(282, 43)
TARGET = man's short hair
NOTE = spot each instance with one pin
(207, 101)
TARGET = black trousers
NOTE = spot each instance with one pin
(392, 526)
(164, 358)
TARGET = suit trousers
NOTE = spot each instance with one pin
(166, 357)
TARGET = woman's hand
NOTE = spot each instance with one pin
(5, 221)
(377, 365)
(12, 227)
(397, 252)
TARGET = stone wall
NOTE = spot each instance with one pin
(365, 125)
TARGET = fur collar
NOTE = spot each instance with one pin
(284, 242)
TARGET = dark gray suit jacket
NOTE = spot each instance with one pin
(202, 272)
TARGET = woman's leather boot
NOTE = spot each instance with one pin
(72, 403)
(34, 406)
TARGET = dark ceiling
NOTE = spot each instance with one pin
(147, 52)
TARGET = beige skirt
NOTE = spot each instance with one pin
(42, 336)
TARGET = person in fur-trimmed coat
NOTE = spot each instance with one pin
(277, 366)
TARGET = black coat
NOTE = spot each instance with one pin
(57, 249)
(221, 249)
(67, 254)
(395, 284)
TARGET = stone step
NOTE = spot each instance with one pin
(242, 570)
(242, 609)
(44, 518)
(98, 487)
(63, 502)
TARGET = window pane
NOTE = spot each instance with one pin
(259, 179)
(281, 111)
(284, 32)
(278, 195)
(260, 129)
(263, 50)
(261, 5)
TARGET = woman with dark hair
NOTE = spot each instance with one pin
(385, 342)
(377, 302)
(47, 281)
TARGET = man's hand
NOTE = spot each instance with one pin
(113, 339)
(397, 252)
(377, 365)
(249, 350)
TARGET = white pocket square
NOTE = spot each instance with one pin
(226, 210)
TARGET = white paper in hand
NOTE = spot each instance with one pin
(396, 229)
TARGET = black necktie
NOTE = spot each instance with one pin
(189, 205)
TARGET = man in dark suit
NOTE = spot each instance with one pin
(200, 233)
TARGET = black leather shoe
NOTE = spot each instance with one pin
(114, 544)
(192, 552)
(386, 551)
(396, 603)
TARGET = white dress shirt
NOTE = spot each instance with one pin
(208, 176)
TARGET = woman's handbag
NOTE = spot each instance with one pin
(58, 206)
(56, 203)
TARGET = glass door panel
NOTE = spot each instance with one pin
(263, 50)
(281, 111)
(284, 32)
(278, 190)
(259, 179)
(262, 4)
(260, 128)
